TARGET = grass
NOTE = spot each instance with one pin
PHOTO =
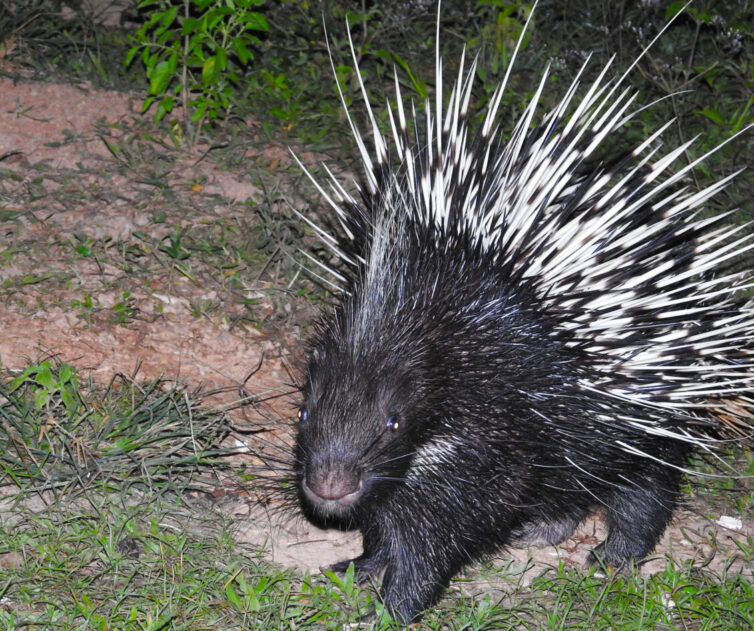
(145, 562)
(101, 519)
(54, 439)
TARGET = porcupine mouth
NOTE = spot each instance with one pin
(332, 502)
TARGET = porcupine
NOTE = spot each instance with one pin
(518, 339)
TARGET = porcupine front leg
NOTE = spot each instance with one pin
(415, 577)
(424, 541)
(637, 515)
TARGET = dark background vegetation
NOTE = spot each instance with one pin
(701, 70)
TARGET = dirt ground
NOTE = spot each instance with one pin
(54, 143)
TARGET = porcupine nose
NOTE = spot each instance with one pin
(332, 482)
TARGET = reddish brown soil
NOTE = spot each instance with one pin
(104, 203)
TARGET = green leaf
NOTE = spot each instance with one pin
(224, 96)
(41, 397)
(233, 597)
(256, 21)
(147, 102)
(673, 9)
(200, 107)
(280, 113)
(194, 60)
(168, 16)
(190, 26)
(168, 40)
(244, 54)
(45, 378)
(160, 78)
(222, 59)
(65, 373)
(419, 86)
(252, 600)
(713, 115)
(162, 623)
(164, 106)
(130, 55)
(212, 18)
(348, 580)
(173, 63)
(742, 119)
(29, 372)
(70, 400)
(156, 17)
(209, 70)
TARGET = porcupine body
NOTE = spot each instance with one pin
(518, 341)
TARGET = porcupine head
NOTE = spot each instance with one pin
(493, 368)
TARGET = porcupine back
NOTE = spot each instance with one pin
(519, 338)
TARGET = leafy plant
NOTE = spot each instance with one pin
(50, 387)
(194, 53)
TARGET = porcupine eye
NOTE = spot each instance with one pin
(302, 415)
(392, 423)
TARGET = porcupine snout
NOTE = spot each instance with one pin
(332, 484)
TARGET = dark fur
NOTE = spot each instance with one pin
(457, 349)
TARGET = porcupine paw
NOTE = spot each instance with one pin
(408, 595)
(618, 553)
(601, 558)
(366, 567)
(636, 518)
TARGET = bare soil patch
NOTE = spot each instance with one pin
(67, 187)
(89, 275)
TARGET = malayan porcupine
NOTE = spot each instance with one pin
(518, 339)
